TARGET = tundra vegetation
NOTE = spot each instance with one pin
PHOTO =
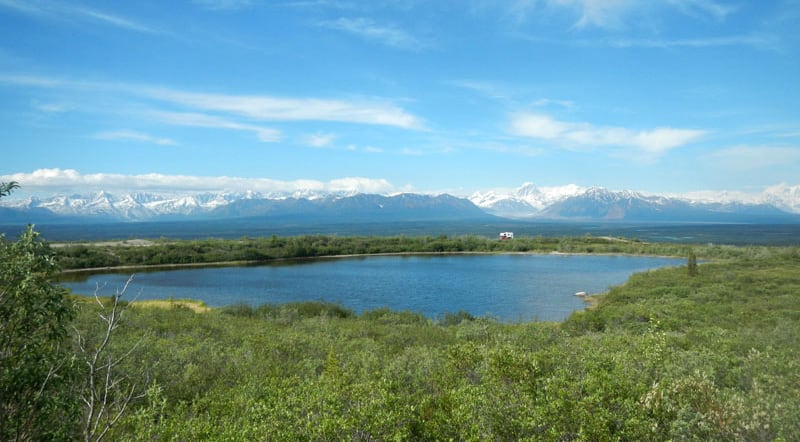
(704, 352)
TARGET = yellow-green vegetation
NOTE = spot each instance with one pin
(670, 355)
(193, 305)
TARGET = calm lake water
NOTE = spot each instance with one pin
(507, 287)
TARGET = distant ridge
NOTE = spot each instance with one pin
(566, 203)
(103, 206)
(572, 203)
(601, 204)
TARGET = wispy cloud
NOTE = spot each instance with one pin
(652, 142)
(131, 135)
(703, 8)
(617, 14)
(492, 90)
(758, 41)
(114, 20)
(223, 5)
(227, 111)
(599, 13)
(368, 29)
(32, 80)
(68, 180)
(264, 134)
(269, 108)
(51, 107)
(320, 139)
(548, 102)
(47, 10)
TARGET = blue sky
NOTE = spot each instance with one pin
(429, 96)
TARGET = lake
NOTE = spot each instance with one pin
(509, 287)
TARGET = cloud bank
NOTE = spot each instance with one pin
(64, 181)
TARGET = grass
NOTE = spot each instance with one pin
(191, 304)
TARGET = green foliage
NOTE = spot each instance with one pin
(289, 312)
(692, 264)
(670, 355)
(7, 188)
(35, 370)
(664, 357)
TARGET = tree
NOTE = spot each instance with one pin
(7, 188)
(692, 264)
(107, 390)
(35, 370)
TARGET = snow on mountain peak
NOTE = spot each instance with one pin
(524, 201)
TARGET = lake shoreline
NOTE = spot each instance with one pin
(111, 269)
(509, 286)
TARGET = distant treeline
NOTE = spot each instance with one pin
(208, 251)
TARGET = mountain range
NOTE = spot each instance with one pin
(529, 202)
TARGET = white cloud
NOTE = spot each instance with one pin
(320, 140)
(264, 134)
(663, 139)
(547, 102)
(368, 29)
(55, 181)
(234, 107)
(538, 126)
(363, 185)
(584, 135)
(130, 135)
(267, 108)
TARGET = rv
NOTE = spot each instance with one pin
(506, 235)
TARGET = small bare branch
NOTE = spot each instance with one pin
(107, 392)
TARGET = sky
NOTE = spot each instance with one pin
(381, 96)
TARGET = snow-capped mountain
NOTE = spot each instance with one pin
(323, 205)
(131, 206)
(774, 204)
(574, 202)
(523, 202)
